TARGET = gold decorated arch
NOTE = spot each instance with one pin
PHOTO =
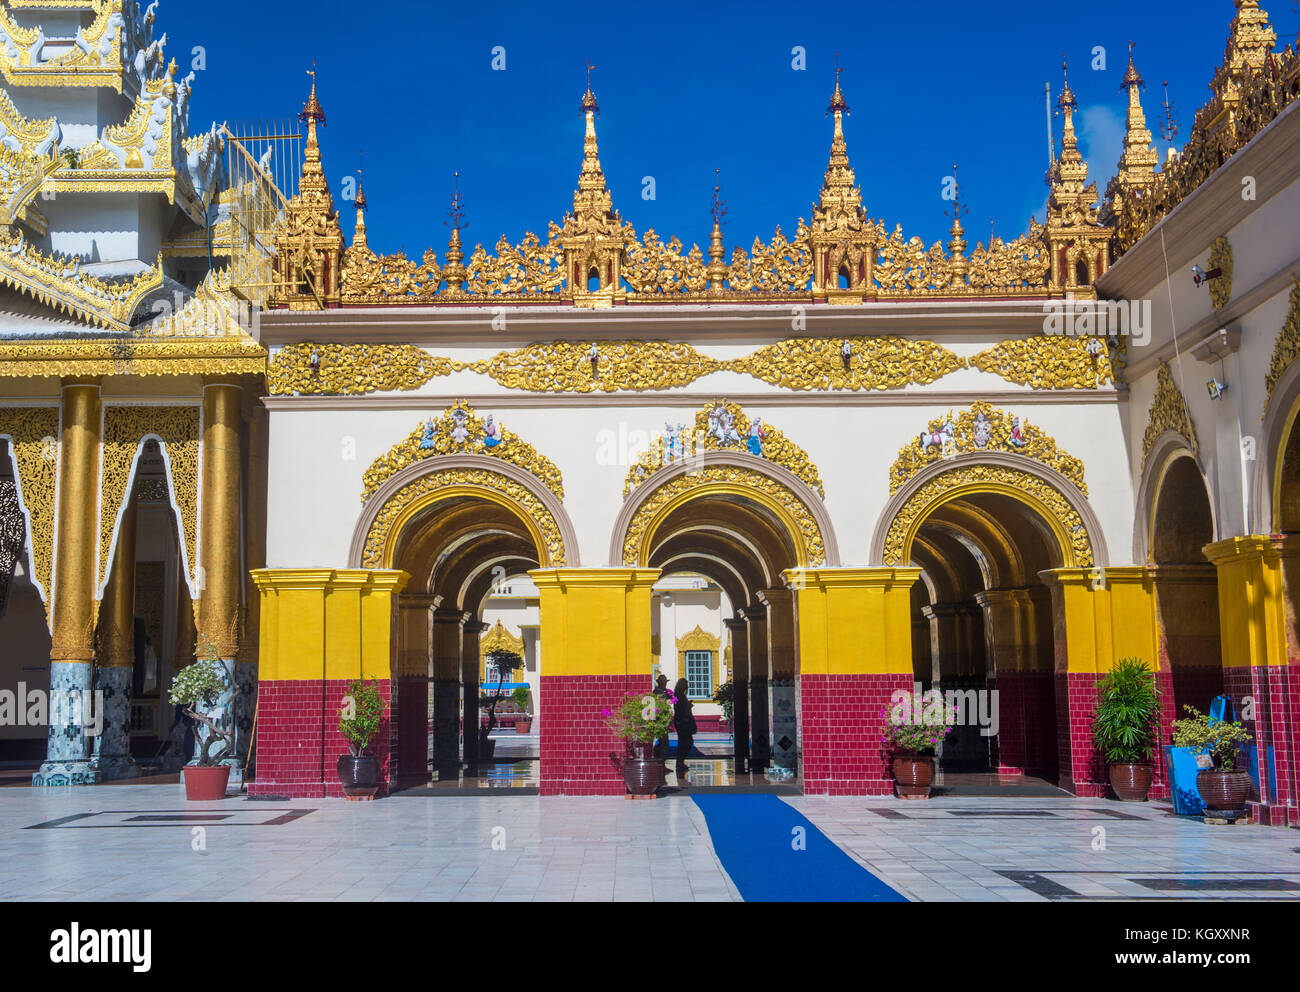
(1029, 489)
(725, 481)
(401, 508)
(33, 434)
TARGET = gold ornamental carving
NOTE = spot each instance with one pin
(311, 369)
(1221, 259)
(177, 427)
(132, 356)
(526, 503)
(738, 481)
(460, 430)
(920, 502)
(1287, 347)
(1168, 412)
(724, 426)
(1050, 361)
(982, 428)
(868, 363)
(33, 444)
(603, 366)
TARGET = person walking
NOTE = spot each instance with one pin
(684, 719)
(661, 745)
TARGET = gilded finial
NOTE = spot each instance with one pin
(1168, 127)
(1067, 95)
(312, 110)
(1131, 77)
(589, 98)
(456, 212)
(719, 205)
(361, 178)
(838, 104)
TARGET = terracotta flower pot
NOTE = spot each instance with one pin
(1223, 789)
(523, 726)
(1131, 781)
(643, 773)
(206, 783)
(359, 775)
(913, 773)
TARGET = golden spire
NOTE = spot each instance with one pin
(1137, 163)
(957, 240)
(840, 205)
(313, 173)
(593, 207)
(717, 269)
(455, 269)
(359, 239)
(1250, 43)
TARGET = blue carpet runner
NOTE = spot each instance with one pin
(756, 840)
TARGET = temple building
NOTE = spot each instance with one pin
(823, 469)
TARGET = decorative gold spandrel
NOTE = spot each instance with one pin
(933, 491)
(872, 363)
(528, 503)
(124, 428)
(742, 481)
(1287, 347)
(33, 442)
(602, 366)
(722, 425)
(1050, 361)
(461, 430)
(1221, 259)
(352, 369)
(1169, 412)
(983, 427)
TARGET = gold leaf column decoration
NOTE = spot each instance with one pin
(1287, 347)
(1221, 259)
(983, 427)
(873, 363)
(177, 427)
(603, 366)
(1050, 361)
(33, 443)
(460, 430)
(352, 369)
(1169, 412)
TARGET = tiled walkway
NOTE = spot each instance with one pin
(131, 843)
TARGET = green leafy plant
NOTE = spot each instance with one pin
(725, 696)
(360, 715)
(918, 730)
(1125, 720)
(506, 663)
(641, 716)
(1219, 739)
(202, 683)
(520, 697)
(72, 158)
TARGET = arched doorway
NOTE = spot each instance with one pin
(1181, 523)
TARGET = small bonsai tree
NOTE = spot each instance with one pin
(1125, 720)
(725, 696)
(199, 686)
(360, 715)
(506, 663)
(1217, 738)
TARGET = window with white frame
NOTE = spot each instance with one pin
(699, 674)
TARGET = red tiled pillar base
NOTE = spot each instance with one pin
(842, 752)
(1027, 728)
(1271, 689)
(411, 717)
(1168, 714)
(575, 743)
(1011, 724)
(298, 739)
(1080, 768)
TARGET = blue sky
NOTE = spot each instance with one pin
(685, 88)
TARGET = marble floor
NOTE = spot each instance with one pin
(144, 842)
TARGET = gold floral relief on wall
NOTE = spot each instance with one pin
(598, 366)
(350, 369)
(982, 428)
(849, 363)
(1287, 347)
(461, 430)
(1168, 412)
(1050, 361)
(124, 428)
(34, 448)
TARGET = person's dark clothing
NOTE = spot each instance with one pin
(684, 720)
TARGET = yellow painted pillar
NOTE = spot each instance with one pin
(596, 626)
(321, 628)
(72, 646)
(854, 637)
(1253, 625)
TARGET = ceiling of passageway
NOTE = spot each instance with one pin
(446, 543)
(733, 528)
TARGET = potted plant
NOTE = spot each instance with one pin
(360, 716)
(1222, 785)
(725, 696)
(1125, 724)
(506, 663)
(912, 737)
(524, 724)
(198, 687)
(641, 719)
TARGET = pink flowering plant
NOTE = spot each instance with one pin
(919, 730)
(641, 716)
